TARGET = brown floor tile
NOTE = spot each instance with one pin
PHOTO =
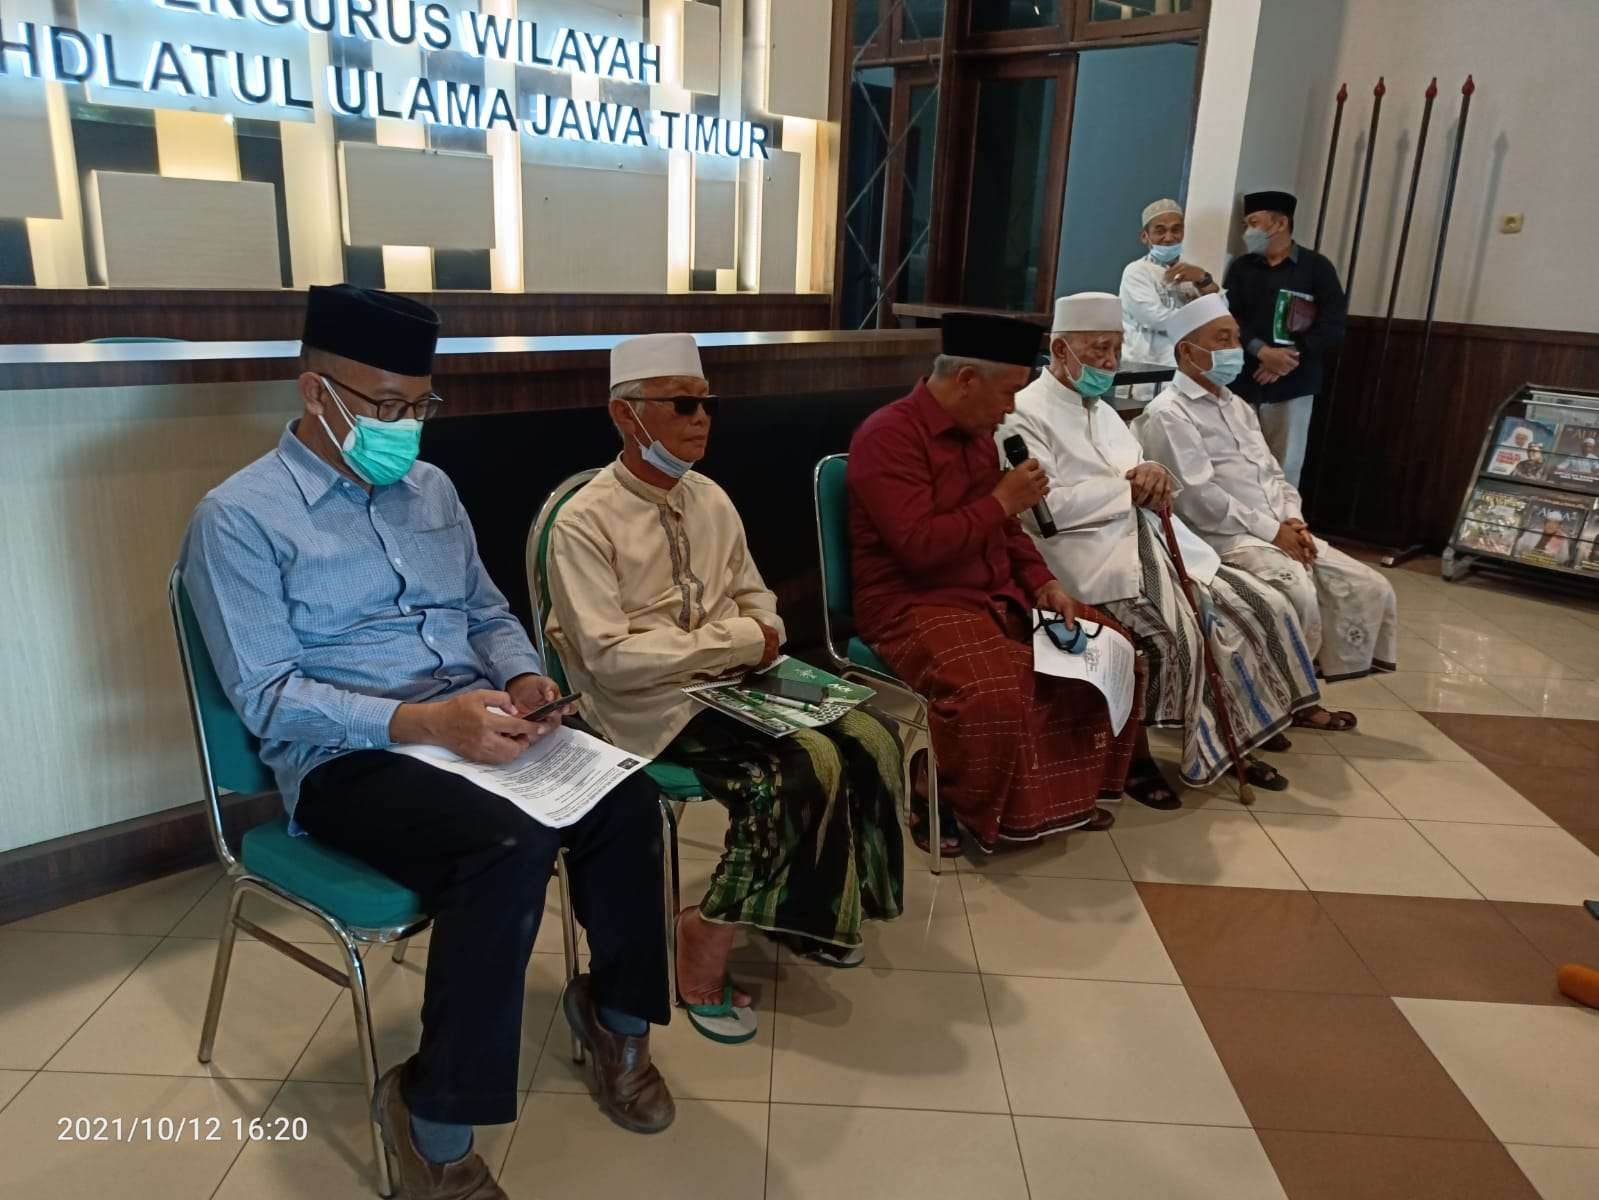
(1254, 938)
(1562, 932)
(1585, 733)
(1588, 837)
(1567, 795)
(1333, 1064)
(1443, 949)
(1333, 1166)
(1535, 741)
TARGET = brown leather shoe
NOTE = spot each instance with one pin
(631, 1091)
(416, 1178)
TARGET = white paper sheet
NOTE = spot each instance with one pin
(1106, 662)
(556, 780)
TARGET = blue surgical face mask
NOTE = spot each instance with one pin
(657, 455)
(1256, 240)
(1092, 381)
(380, 452)
(1225, 364)
(1166, 255)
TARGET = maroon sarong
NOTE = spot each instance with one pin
(1019, 754)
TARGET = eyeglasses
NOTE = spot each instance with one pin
(687, 406)
(423, 408)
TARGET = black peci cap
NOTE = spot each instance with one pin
(992, 338)
(1279, 202)
(377, 328)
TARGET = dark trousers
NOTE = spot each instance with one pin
(481, 866)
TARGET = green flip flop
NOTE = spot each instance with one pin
(723, 1022)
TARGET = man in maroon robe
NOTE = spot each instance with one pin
(946, 583)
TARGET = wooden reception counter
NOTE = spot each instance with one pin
(105, 449)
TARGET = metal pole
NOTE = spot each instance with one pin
(1466, 90)
(1332, 153)
(1378, 93)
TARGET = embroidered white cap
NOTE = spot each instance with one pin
(653, 355)
(1151, 211)
(1087, 312)
(1194, 314)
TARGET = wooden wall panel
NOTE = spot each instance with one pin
(38, 315)
(1389, 462)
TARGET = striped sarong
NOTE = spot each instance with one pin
(1261, 654)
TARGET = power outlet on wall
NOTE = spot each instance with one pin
(1512, 222)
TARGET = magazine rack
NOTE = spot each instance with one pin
(1533, 504)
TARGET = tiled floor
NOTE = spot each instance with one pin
(1346, 993)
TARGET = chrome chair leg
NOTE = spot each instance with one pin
(219, 974)
(672, 898)
(568, 937)
(935, 835)
(367, 1046)
(400, 948)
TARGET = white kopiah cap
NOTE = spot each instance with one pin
(1088, 312)
(1151, 211)
(1194, 314)
(654, 355)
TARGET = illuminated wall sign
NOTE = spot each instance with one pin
(195, 72)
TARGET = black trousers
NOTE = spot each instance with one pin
(481, 866)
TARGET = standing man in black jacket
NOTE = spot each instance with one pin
(1290, 309)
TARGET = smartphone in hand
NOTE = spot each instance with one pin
(554, 706)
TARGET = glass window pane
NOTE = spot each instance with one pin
(991, 15)
(922, 19)
(916, 205)
(1014, 122)
(1131, 10)
(871, 101)
(865, 21)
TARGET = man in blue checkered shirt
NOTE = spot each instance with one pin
(342, 598)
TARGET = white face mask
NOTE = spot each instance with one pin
(657, 455)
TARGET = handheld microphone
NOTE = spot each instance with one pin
(1016, 451)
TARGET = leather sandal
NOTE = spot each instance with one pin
(1333, 722)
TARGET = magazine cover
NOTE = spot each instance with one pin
(1588, 548)
(1521, 449)
(1493, 520)
(1552, 526)
(1577, 457)
(743, 700)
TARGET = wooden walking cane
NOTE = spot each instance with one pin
(1218, 695)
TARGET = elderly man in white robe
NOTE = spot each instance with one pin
(1155, 285)
(1235, 495)
(1105, 501)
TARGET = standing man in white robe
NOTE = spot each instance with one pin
(1104, 499)
(1235, 495)
(1155, 286)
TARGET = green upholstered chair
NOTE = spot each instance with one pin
(351, 901)
(855, 659)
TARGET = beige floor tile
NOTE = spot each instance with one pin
(335, 1158)
(1357, 854)
(1308, 741)
(1430, 626)
(695, 1067)
(1454, 693)
(564, 1146)
(1076, 854)
(930, 935)
(205, 918)
(38, 1166)
(1220, 846)
(870, 1153)
(1448, 791)
(1125, 1160)
(1558, 1172)
(12, 1082)
(1322, 785)
(1418, 654)
(1529, 1069)
(1506, 862)
(395, 994)
(1068, 928)
(1495, 654)
(150, 908)
(51, 983)
(1577, 699)
(1359, 696)
(749, 945)
(1111, 1051)
(151, 1026)
(1398, 735)
(890, 1039)
(701, 830)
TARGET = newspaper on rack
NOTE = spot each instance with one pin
(556, 780)
(744, 701)
(1106, 662)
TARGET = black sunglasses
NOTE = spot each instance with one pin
(687, 406)
(422, 408)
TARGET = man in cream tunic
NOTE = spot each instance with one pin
(1109, 551)
(1235, 495)
(1155, 286)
